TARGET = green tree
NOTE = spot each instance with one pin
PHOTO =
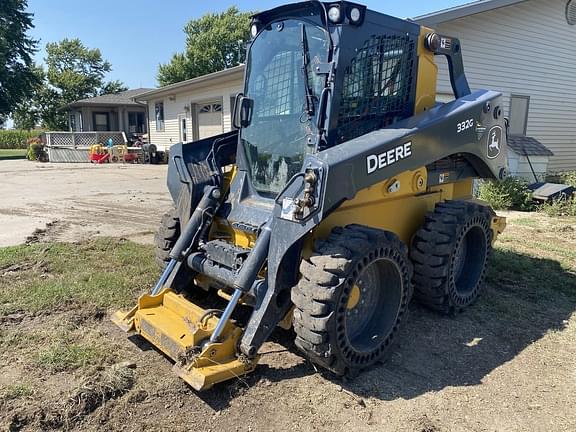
(25, 119)
(26, 115)
(43, 108)
(50, 105)
(113, 87)
(77, 72)
(17, 80)
(73, 71)
(213, 43)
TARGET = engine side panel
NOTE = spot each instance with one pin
(466, 127)
(398, 204)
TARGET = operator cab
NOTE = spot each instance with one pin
(318, 75)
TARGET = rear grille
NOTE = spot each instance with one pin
(379, 86)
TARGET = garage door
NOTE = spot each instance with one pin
(209, 119)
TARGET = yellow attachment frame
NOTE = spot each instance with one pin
(182, 330)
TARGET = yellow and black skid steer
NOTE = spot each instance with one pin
(343, 191)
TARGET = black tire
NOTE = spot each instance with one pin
(166, 236)
(331, 331)
(450, 255)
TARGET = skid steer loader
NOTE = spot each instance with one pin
(343, 189)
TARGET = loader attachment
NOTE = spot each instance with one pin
(182, 331)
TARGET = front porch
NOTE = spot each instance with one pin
(130, 120)
(114, 112)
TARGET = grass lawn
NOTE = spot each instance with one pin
(103, 273)
(12, 154)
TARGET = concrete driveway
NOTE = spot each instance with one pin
(71, 202)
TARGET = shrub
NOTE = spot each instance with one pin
(509, 194)
(36, 152)
(569, 178)
(16, 139)
(561, 207)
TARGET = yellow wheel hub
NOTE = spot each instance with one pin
(354, 297)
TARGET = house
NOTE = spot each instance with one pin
(193, 109)
(526, 50)
(112, 112)
(522, 48)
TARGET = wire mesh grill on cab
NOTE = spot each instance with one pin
(278, 85)
(379, 86)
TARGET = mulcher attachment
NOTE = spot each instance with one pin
(182, 331)
(203, 345)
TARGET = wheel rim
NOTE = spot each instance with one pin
(469, 260)
(373, 305)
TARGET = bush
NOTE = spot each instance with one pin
(36, 152)
(561, 207)
(509, 194)
(569, 178)
(16, 139)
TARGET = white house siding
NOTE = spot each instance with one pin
(175, 104)
(525, 49)
(520, 166)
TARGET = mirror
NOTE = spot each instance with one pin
(243, 109)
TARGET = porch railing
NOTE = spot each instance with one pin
(83, 139)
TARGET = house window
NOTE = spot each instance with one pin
(211, 108)
(101, 122)
(159, 112)
(73, 126)
(519, 108)
(136, 122)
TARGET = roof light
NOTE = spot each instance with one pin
(254, 30)
(355, 15)
(334, 14)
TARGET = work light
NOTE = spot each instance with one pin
(355, 15)
(334, 14)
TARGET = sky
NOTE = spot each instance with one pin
(138, 35)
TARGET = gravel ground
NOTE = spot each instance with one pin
(72, 202)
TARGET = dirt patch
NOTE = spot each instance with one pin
(39, 267)
(92, 394)
(89, 315)
(46, 234)
(425, 424)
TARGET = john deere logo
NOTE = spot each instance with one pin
(494, 142)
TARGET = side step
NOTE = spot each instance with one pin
(182, 331)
